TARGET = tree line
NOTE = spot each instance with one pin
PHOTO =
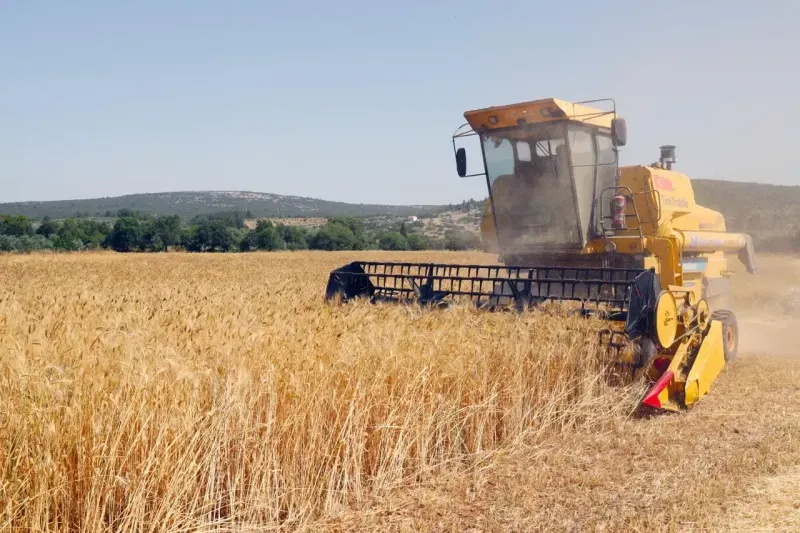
(220, 232)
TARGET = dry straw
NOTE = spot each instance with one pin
(188, 392)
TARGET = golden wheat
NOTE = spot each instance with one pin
(174, 392)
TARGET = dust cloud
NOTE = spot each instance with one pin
(767, 307)
(768, 335)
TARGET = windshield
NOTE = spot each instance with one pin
(594, 168)
(532, 194)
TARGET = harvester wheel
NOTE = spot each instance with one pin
(730, 332)
(645, 350)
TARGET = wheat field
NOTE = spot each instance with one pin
(179, 392)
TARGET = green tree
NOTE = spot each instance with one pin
(392, 240)
(16, 226)
(67, 243)
(211, 236)
(189, 238)
(264, 223)
(356, 227)
(95, 234)
(24, 243)
(233, 219)
(234, 238)
(126, 235)
(418, 241)
(165, 231)
(248, 242)
(333, 236)
(149, 240)
(70, 236)
(47, 228)
(295, 237)
(268, 238)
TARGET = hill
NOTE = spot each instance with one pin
(770, 213)
(190, 203)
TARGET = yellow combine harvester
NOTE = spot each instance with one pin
(628, 244)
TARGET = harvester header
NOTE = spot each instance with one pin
(628, 244)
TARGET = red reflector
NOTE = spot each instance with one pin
(651, 398)
(661, 364)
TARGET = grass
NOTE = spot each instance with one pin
(173, 392)
(180, 392)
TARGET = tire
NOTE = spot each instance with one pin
(730, 333)
(645, 351)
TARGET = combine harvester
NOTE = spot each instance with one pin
(627, 244)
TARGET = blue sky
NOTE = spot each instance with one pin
(356, 101)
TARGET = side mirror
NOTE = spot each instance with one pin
(461, 162)
(619, 132)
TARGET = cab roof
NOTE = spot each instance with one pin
(537, 111)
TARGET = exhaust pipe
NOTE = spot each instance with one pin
(667, 156)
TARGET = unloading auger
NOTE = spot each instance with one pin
(626, 244)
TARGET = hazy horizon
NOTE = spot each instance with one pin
(209, 191)
(477, 198)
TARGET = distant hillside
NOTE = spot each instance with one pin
(189, 204)
(768, 212)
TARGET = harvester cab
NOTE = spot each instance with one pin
(627, 244)
(546, 164)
